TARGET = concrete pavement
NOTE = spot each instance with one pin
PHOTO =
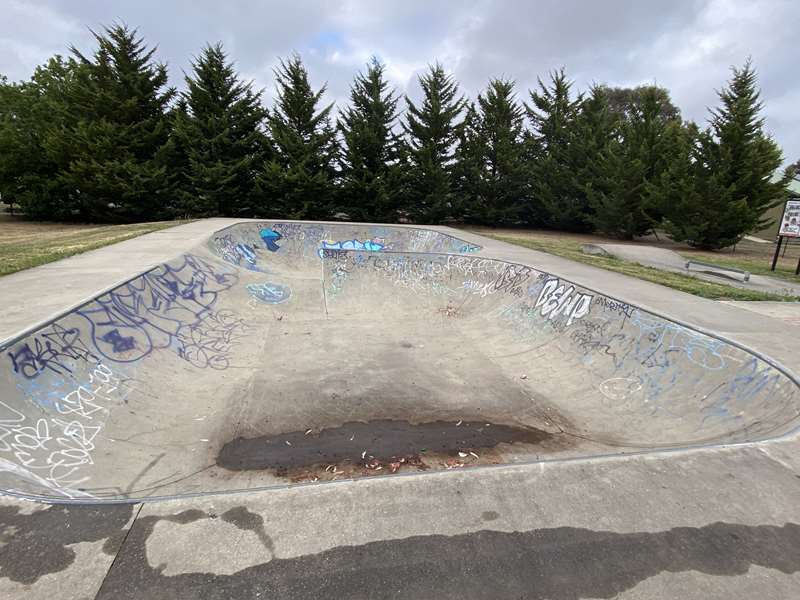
(788, 312)
(712, 525)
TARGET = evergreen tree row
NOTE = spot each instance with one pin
(103, 138)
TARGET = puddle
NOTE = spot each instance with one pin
(381, 446)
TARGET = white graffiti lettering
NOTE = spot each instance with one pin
(555, 299)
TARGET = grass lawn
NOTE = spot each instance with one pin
(569, 246)
(25, 244)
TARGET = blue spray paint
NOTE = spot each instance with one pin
(270, 236)
(269, 293)
(373, 245)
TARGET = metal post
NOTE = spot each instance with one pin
(777, 250)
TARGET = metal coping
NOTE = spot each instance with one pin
(692, 261)
(344, 224)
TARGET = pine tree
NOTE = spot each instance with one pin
(623, 197)
(700, 208)
(112, 149)
(468, 170)
(370, 153)
(596, 129)
(219, 127)
(432, 130)
(558, 200)
(30, 112)
(681, 185)
(735, 160)
(616, 196)
(298, 181)
(505, 186)
(176, 154)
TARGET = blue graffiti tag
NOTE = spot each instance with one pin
(234, 253)
(247, 253)
(56, 349)
(269, 293)
(270, 236)
(170, 306)
(373, 245)
(119, 343)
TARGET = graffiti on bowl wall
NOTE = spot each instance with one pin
(373, 245)
(269, 293)
(270, 237)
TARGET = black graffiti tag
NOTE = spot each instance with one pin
(512, 278)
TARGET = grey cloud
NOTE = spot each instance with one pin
(687, 46)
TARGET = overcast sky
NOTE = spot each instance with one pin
(686, 46)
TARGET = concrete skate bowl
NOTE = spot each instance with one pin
(280, 353)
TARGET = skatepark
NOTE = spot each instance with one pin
(306, 390)
(282, 353)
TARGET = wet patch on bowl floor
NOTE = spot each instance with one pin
(357, 449)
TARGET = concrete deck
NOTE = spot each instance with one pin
(788, 312)
(718, 522)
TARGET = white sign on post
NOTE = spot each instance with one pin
(790, 223)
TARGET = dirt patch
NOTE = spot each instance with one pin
(375, 447)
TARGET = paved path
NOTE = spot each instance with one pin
(709, 523)
(669, 260)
